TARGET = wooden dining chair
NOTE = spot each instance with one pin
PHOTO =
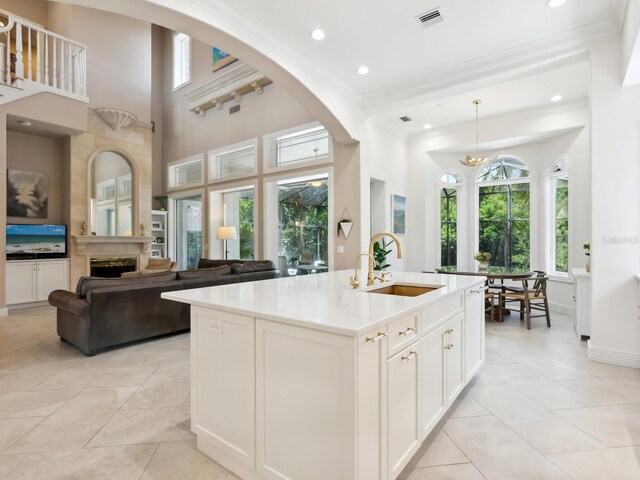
(529, 299)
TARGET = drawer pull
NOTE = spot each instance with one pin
(407, 331)
(450, 330)
(409, 357)
(447, 347)
(379, 336)
(480, 290)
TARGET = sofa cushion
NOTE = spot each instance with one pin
(210, 263)
(158, 264)
(85, 284)
(205, 273)
(253, 266)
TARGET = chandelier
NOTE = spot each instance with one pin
(476, 160)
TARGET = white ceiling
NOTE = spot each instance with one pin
(386, 37)
(571, 82)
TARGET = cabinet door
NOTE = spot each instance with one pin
(432, 357)
(473, 331)
(453, 365)
(223, 381)
(306, 403)
(20, 282)
(403, 419)
(372, 380)
(51, 276)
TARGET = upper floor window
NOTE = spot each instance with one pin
(181, 60)
(449, 183)
(307, 145)
(233, 161)
(558, 219)
(504, 212)
(185, 173)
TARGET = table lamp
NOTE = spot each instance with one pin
(226, 233)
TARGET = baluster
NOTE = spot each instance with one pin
(38, 73)
(70, 86)
(19, 60)
(46, 59)
(55, 63)
(9, 57)
(29, 56)
(62, 87)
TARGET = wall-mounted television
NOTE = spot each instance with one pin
(36, 241)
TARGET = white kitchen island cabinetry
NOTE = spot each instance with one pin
(303, 378)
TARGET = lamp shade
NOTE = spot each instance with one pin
(226, 233)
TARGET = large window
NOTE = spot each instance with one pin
(303, 223)
(449, 183)
(239, 209)
(559, 219)
(504, 212)
(181, 60)
(188, 231)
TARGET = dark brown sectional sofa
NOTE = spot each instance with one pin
(104, 312)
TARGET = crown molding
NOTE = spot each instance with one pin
(581, 104)
(511, 63)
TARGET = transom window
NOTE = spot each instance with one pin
(181, 60)
(186, 173)
(233, 162)
(449, 219)
(504, 212)
(305, 145)
(559, 219)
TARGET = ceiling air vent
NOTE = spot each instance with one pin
(405, 119)
(430, 18)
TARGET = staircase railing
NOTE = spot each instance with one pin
(29, 52)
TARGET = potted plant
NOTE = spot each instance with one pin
(345, 225)
(587, 251)
(483, 259)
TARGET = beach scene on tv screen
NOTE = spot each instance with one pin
(35, 239)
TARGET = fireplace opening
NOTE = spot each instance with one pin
(112, 266)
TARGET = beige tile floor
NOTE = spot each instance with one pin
(537, 410)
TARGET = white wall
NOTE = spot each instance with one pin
(615, 173)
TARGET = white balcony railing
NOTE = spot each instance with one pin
(28, 52)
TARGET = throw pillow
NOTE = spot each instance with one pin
(158, 264)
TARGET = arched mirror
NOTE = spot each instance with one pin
(111, 187)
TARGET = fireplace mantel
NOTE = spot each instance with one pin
(104, 243)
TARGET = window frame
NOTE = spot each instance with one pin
(459, 187)
(550, 221)
(171, 166)
(176, 87)
(212, 156)
(513, 181)
(269, 143)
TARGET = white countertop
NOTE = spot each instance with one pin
(323, 301)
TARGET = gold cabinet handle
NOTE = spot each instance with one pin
(450, 330)
(407, 331)
(379, 336)
(447, 347)
(451, 345)
(409, 357)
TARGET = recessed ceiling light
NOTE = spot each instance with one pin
(555, 3)
(317, 34)
(25, 123)
(556, 98)
(363, 70)
(427, 126)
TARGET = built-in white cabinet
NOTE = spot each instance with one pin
(33, 280)
(403, 420)
(432, 358)
(159, 246)
(582, 298)
(454, 375)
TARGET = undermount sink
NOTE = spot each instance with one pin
(404, 290)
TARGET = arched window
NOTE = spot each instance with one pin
(449, 183)
(558, 228)
(504, 212)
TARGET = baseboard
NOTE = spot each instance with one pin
(23, 306)
(4, 312)
(611, 356)
(562, 309)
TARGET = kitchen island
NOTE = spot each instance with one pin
(305, 378)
